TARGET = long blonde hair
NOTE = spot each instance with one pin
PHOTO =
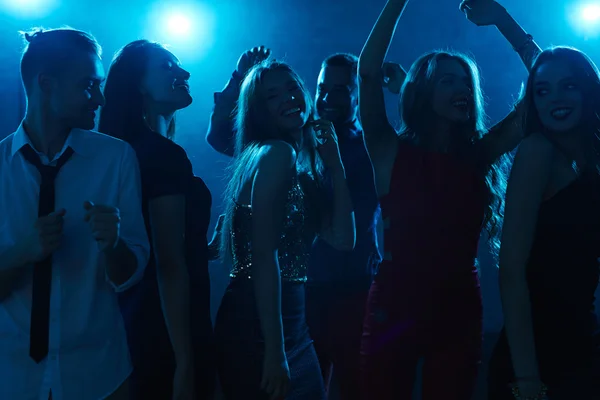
(253, 127)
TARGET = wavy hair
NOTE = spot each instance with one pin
(253, 127)
(123, 116)
(587, 76)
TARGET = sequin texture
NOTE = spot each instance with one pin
(293, 250)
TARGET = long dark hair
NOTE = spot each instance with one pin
(417, 116)
(123, 114)
(253, 127)
(587, 77)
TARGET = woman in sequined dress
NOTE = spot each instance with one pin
(272, 216)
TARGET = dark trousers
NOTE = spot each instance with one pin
(334, 314)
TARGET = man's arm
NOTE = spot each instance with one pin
(221, 128)
(125, 264)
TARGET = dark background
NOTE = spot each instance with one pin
(303, 33)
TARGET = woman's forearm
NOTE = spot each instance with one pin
(174, 289)
(518, 38)
(267, 291)
(514, 293)
(375, 49)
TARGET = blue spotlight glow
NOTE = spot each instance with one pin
(186, 27)
(590, 13)
(585, 18)
(179, 24)
(28, 8)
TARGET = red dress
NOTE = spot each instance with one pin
(425, 302)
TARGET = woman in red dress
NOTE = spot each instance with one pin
(439, 183)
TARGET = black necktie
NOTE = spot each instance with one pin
(42, 270)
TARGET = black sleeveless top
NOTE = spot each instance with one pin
(563, 272)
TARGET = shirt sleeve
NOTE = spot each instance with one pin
(169, 174)
(133, 230)
(221, 131)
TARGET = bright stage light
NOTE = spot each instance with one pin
(28, 8)
(590, 13)
(185, 27)
(585, 18)
(179, 24)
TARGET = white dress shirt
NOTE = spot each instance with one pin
(88, 356)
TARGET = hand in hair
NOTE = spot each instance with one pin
(482, 12)
(251, 58)
(393, 77)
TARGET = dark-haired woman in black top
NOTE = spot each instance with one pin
(167, 315)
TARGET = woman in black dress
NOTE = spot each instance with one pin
(272, 216)
(167, 315)
(551, 239)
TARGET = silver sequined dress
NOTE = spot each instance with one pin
(240, 343)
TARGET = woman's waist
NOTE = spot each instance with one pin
(430, 264)
(238, 318)
(240, 296)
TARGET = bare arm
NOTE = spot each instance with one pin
(378, 133)
(490, 12)
(214, 247)
(167, 221)
(518, 38)
(272, 181)
(503, 137)
(528, 180)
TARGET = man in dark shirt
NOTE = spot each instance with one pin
(338, 282)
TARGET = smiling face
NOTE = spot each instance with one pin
(285, 101)
(557, 97)
(165, 82)
(75, 94)
(337, 94)
(452, 97)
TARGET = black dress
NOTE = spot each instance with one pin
(166, 170)
(240, 343)
(562, 275)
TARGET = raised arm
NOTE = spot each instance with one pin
(221, 130)
(380, 136)
(507, 134)
(272, 181)
(489, 12)
(528, 180)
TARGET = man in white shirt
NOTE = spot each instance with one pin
(72, 233)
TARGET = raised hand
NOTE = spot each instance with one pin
(105, 223)
(482, 12)
(251, 58)
(327, 144)
(46, 236)
(393, 77)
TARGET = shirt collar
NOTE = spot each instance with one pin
(75, 140)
